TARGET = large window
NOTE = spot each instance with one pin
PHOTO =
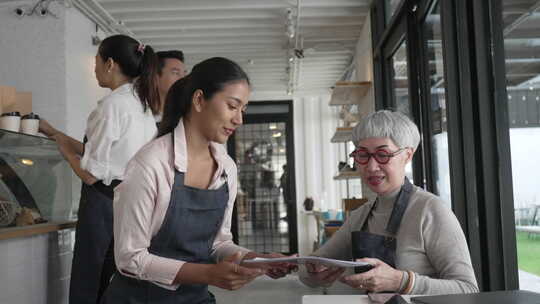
(442, 63)
(401, 88)
(401, 79)
(437, 105)
(391, 7)
(522, 47)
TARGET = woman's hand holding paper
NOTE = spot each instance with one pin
(273, 270)
(324, 274)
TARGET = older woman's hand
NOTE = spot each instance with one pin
(381, 278)
(273, 270)
(323, 274)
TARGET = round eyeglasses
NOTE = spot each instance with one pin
(361, 156)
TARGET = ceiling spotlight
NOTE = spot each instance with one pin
(289, 30)
(42, 11)
(20, 11)
(96, 40)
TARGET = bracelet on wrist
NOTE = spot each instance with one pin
(410, 283)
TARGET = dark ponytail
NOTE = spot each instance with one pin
(135, 61)
(210, 76)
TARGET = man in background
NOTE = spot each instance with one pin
(171, 69)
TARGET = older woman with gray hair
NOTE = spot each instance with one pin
(414, 243)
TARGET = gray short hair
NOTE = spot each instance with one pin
(394, 125)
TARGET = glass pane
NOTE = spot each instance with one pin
(439, 141)
(400, 86)
(391, 6)
(264, 201)
(35, 176)
(521, 37)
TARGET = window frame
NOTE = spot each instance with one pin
(477, 121)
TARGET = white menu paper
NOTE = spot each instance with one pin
(307, 259)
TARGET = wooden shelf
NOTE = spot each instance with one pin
(342, 135)
(347, 175)
(25, 231)
(349, 93)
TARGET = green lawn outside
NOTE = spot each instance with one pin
(528, 249)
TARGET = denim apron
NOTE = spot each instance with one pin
(189, 228)
(93, 258)
(370, 245)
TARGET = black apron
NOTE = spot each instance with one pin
(93, 257)
(370, 245)
(189, 228)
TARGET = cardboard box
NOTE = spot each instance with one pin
(7, 98)
(349, 204)
(330, 230)
(23, 102)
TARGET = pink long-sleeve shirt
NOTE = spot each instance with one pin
(142, 199)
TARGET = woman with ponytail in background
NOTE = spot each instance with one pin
(119, 126)
(173, 211)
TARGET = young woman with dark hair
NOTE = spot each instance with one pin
(119, 126)
(172, 212)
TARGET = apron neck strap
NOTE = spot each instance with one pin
(400, 205)
(180, 175)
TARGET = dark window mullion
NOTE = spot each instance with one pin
(497, 206)
(415, 58)
(461, 140)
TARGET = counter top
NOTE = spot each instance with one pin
(341, 299)
(17, 232)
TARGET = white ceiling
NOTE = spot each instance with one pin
(254, 34)
(521, 23)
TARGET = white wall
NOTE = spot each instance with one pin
(316, 161)
(316, 157)
(364, 54)
(364, 72)
(81, 87)
(32, 59)
(53, 59)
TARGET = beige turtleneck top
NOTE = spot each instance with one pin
(430, 243)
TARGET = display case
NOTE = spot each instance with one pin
(35, 184)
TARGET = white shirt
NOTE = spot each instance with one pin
(142, 199)
(116, 130)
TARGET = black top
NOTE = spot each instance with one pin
(30, 116)
(11, 114)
